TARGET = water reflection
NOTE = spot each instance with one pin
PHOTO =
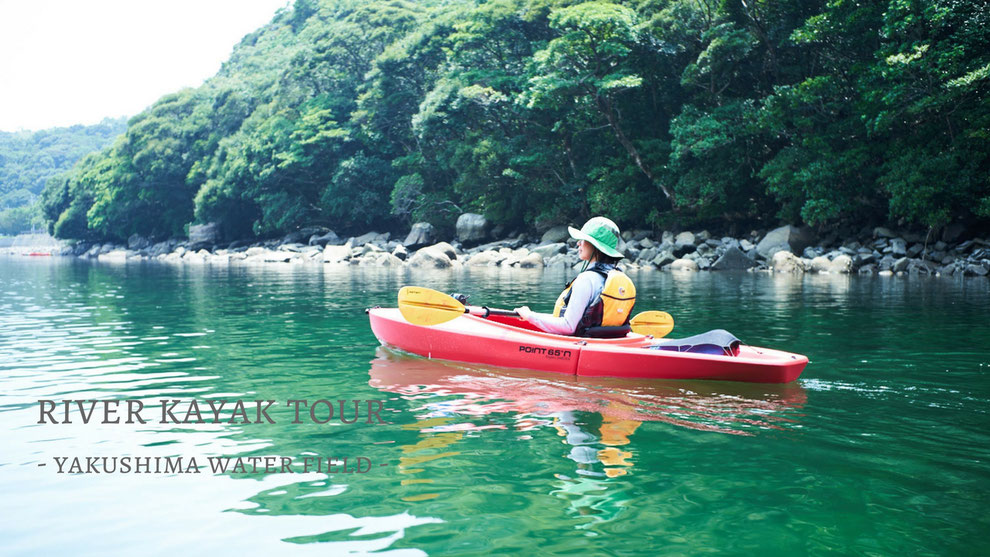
(595, 420)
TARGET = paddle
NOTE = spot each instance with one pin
(428, 307)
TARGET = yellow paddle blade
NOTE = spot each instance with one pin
(655, 323)
(423, 306)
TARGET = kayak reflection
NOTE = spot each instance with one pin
(595, 418)
(468, 390)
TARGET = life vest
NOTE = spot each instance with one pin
(612, 308)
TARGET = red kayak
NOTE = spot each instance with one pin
(513, 343)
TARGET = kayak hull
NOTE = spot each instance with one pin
(490, 342)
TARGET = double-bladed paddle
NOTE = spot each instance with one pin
(428, 307)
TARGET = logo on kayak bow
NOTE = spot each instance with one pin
(554, 353)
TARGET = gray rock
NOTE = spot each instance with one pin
(733, 260)
(787, 262)
(487, 258)
(422, 234)
(294, 247)
(136, 242)
(647, 243)
(881, 232)
(531, 261)
(400, 252)
(444, 248)
(365, 238)
(331, 254)
(648, 255)
(549, 250)
(558, 262)
(330, 237)
(684, 239)
(842, 264)
(900, 265)
(820, 264)
(898, 247)
(746, 245)
(864, 259)
(430, 258)
(868, 270)
(472, 229)
(684, 265)
(921, 267)
(555, 235)
(667, 237)
(208, 233)
(786, 238)
(915, 250)
(972, 270)
(666, 257)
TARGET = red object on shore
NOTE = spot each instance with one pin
(512, 343)
(37, 254)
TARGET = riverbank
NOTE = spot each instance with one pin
(783, 250)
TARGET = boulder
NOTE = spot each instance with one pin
(549, 250)
(881, 232)
(898, 247)
(485, 259)
(733, 260)
(555, 235)
(969, 270)
(136, 242)
(472, 229)
(648, 255)
(665, 257)
(558, 262)
(422, 234)
(532, 261)
(331, 254)
(684, 239)
(684, 265)
(786, 238)
(208, 233)
(323, 239)
(430, 258)
(842, 264)
(400, 252)
(787, 262)
(444, 248)
(900, 265)
(115, 256)
(364, 238)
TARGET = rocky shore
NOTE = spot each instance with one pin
(787, 249)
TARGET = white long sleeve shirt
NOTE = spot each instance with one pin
(585, 289)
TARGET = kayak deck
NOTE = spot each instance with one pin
(496, 342)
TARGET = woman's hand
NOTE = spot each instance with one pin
(524, 312)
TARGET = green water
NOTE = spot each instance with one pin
(881, 447)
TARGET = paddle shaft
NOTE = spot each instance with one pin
(486, 311)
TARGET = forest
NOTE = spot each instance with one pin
(730, 114)
(29, 159)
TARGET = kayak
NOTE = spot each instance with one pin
(509, 342)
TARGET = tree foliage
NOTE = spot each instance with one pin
(361, 115)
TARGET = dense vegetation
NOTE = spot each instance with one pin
(29, 159)
(373, 114)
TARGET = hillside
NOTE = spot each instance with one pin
(28, 159)
(359, 115)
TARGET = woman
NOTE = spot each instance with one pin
(600, 296)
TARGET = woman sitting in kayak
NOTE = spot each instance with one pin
(600, 296)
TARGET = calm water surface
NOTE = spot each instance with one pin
(881, 448)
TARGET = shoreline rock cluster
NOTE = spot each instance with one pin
(786, 249)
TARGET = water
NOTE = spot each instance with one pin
(880, 448)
